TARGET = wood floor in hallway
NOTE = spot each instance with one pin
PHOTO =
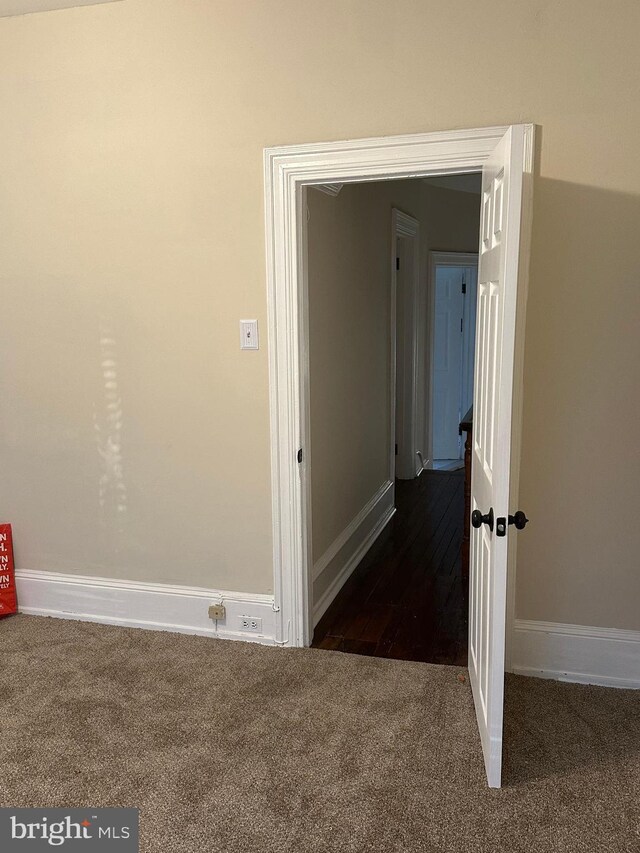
(405, 599)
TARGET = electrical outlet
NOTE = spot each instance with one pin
(251, 623)
(217, 611)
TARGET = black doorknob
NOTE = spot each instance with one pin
(478, 519)
(519, 519)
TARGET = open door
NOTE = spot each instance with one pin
(492, 409)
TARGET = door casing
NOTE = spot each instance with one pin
(289, 170)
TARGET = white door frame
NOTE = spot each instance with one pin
(288, 171)
(439, 259)
(404, 393)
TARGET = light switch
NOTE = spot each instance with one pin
(248, 334)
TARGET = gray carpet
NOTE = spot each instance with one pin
(235, 747)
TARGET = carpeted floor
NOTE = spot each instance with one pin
(235, 747)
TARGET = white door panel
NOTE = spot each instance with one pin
(495, 331)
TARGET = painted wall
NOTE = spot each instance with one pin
(450, 219)
(135, 434)
(349, 249)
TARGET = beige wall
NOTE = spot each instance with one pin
(349, 320)
(450, 220)
(132, 242)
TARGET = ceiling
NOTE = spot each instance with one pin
(23, 7)
(471, 183)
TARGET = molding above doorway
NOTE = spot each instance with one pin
(288, 171)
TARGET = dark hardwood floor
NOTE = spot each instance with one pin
(405, 599)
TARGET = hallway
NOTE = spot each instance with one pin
(405, 600)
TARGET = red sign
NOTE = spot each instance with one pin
(8, 600)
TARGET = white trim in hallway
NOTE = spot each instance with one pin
(348, 549)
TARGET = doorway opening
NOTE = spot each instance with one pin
(505, 157)
(389, 329)
(455, 287)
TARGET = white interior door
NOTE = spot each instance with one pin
(447, 361)
(493, 387)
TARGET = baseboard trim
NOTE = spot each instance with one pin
(344, 554)
(134, 604)
(609, 657)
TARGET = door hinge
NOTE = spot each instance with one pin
(300, 455)
(461, 324)
(397, 263)
(396, 449)
(464, 286)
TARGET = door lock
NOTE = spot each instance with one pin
(478, 519)
(519, 519)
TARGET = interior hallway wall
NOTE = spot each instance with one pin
(349, 275)
(132, 241)
(450, 217)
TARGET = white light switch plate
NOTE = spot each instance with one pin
(248, 334)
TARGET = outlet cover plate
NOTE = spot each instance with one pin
(250, 623)
(217, 611)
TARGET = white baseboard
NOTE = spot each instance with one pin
(344, 554)
(159, 607)
(606, 656)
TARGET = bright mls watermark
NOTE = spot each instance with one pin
(102, 830)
